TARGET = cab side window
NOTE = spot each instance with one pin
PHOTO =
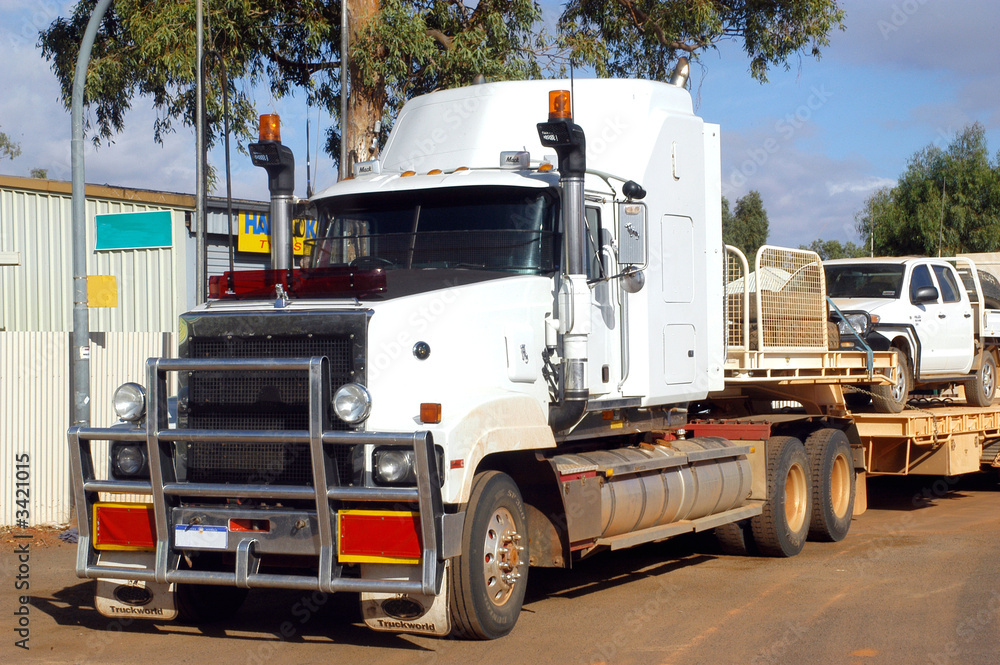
(920, 278)
(949, 287)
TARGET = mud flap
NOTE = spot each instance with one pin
(135, 599)
(403, 612)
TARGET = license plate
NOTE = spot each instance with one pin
(201, 537)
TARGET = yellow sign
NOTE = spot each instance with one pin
(102, 291)
(254, 233)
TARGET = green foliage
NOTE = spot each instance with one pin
(644, 38)
(833, 249)
(39, 174)
(146, 49)
(947, 200)
(747, 227)
(9, 147)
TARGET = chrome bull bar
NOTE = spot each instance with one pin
(166, 490)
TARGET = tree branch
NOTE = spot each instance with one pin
(441, 38)
(309, 67)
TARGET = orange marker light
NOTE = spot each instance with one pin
(559, 105)
(430, 413)
(270, 127)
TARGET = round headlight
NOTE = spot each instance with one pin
(352, 403)
(394, 466)
(129, 460)
(130, 402)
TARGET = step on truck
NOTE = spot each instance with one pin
(516, 341)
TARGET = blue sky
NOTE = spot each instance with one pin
(815, 140)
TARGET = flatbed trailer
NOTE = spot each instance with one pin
(936, 440)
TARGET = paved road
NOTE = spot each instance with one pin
(916, 581)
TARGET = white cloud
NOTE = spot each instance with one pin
(864, 185)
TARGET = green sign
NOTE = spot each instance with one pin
(134, 230)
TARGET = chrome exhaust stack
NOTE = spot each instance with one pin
(569, 142)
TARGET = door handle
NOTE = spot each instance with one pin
(942, 316)
(968, 315)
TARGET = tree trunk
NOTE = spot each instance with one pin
(366, 100)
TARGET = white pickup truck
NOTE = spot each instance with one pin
(941, 317)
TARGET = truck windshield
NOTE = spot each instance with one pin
(510, 229)
(865, 280)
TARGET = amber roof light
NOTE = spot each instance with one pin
(270, 127)
(559, 105)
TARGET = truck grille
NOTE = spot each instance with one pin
(271, 400)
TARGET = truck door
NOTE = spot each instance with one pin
(955, 319)
(940, 325)
(604, 362)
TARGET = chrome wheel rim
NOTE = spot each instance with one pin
(501, 556)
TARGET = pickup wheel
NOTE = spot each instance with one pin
(832, 467)
(781, 529)
(892, 399)
(489, 578)
(980, 390)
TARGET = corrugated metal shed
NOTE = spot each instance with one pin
(155, 285)
(35, 229)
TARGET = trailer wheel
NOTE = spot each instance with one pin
(781, 529)
(980, 390)
(735, 538)
(833, 488)
(892, 399)
(489, 578)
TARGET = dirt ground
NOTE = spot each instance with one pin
(917, 581)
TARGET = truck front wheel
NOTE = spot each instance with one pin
(980, 390)
(489, 577)
(832, 468)
(892, 398)
(781, 529)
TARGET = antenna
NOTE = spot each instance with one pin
(309, 188)
(572, 93)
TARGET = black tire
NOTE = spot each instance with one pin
(991, 289)
(489, 578)
(832, 470)
(781, 529)
(208, 603)
(735, 538)
(980, 390)
(892, 399)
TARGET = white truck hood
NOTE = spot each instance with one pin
(869, 305)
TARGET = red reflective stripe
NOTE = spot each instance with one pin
(124, 526)
(380, 534)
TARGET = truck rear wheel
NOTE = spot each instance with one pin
(892, 399)
(781, 529)
(832, 467)
(735, 538)
(980, 390)
(489, 578)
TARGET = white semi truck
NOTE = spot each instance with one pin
(513, 344)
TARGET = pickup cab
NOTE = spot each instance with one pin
(931, 312)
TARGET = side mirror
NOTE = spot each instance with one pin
(925, 294)
(632, 233)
